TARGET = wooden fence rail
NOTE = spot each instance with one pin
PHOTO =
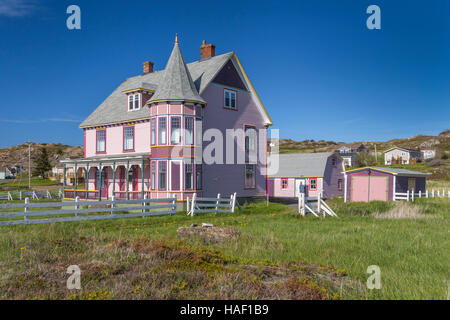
(410, 195)
(35, 195)
(80, 210)
(211, 205)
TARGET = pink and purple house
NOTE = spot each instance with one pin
(146, 138)
(307, 173)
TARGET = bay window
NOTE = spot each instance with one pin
(153, 131)
(101, 141)
(189, 130)
(188, 177)
(175, 128)
(128, 138)
(162, 167)
(162, 130)
(153, 169)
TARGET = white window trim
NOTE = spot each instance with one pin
(133, 98)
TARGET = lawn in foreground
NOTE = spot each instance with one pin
(412, 253)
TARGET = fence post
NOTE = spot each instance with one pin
(11, 198)
(35, 195)
(77, 206)
(319, 205)
(174, 205)
(426, 194)
(27, 201)
(412, 195)
(217, 203)
(187, 204)
(233, 204)
(194, 198)
(49, 195)
(20, 195)
(407, 195)
(420, 193)
(113, 205)
(432, 193)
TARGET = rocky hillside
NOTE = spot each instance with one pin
(17, 155)
(441, 142)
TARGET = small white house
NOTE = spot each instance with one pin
(398, 155)
(428, 154)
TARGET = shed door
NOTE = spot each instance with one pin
(361, 187)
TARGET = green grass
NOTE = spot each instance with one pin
(412, 253)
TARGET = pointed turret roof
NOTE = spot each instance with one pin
(177, 82)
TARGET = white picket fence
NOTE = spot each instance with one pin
(411, 195)
(81, 210)
(210, 205)
(35, 195)
(305, 206)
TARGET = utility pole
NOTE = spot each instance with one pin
(29, 165)
(376, 155)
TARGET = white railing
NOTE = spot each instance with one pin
(305, 206)
(83, 210)
(35, 195)
(211, 205)
(410, 195)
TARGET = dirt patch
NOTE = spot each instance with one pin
(208, 234)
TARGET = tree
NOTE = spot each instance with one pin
(42, 164)
(366, 160)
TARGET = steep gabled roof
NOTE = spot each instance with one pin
(113, 109)
(404, 149)
(301, 164)
(177, 83)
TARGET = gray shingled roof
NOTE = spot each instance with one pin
(301, 164)
(177, 83)
(395, 171)
(114, 108)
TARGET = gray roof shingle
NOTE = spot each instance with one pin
(301, 164)
(177, 82)
(114, 108)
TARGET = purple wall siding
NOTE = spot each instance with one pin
(401, 184)
(223, 178)
(330, 179)
(373, 173)
(270, 187)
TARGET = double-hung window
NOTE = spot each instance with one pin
(101, 141)
(250, 138)
(339, 184)
(229, 97)
(189, 130)
(250, 176)
(128, 138)
(175, 127)
(188, 177)
(162, 174)
(162, 130)
(153, 131)
(284, 183)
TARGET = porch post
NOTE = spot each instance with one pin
(86, 181)
(99, 181)
(142, 177)
(128, 179)
(64, 180)
(76, 180)
(114, 180)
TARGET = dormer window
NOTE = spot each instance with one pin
(134, 101)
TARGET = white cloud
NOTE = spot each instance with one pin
(17, 8)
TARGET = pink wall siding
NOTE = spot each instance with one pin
(284, 193)
(114, 139)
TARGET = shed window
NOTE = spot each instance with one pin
(313, 184)
(284, 183)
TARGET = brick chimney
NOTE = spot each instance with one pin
(207, 50)
(148, 67)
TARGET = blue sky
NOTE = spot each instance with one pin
(318, 70)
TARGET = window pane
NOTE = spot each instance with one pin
(227, 99)
(188, 176)
(175, 125)
(153, 174)
(101, 144)
(198, 169)
(250, 137)
(153, 131)
(162, 130)
(162, 175)
(130, 102)
(249, 176)
(233, 100)
(189, 130)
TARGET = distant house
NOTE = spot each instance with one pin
(362, 149)
(398, 155)
(380, 184)
(308, 173)
(428, 154)
(348, 155)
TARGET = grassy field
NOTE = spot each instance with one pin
(278, 255)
